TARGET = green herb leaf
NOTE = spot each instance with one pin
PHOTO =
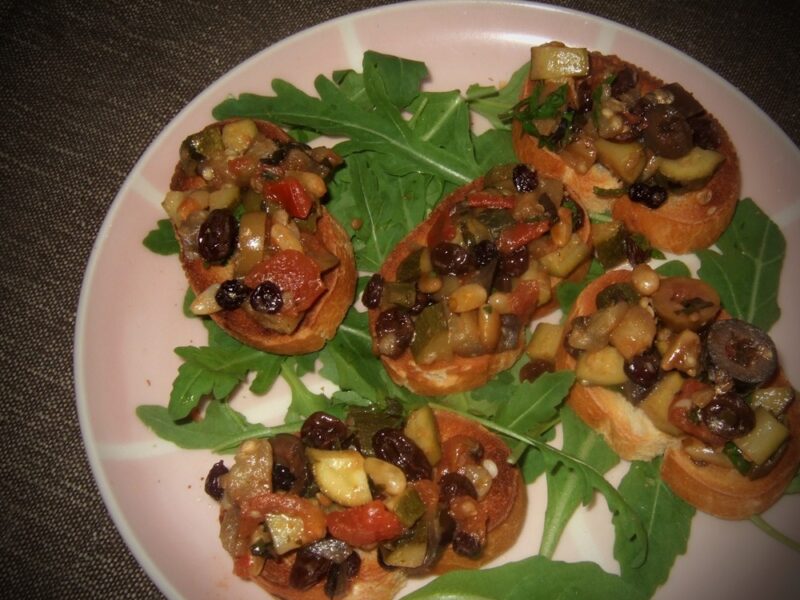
(388, 207)
(567, 489)
(161, 240)
(609, 192)
(668, 520)
(568, 291)
(216, 371)
(534, 578)
(382, 130)
(673, 268)
(393, 79)
(219, 427)
(746, 271)
(494, 147)
(531, 408)
(492, 102)
(304, 401)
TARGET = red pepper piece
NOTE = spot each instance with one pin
(365, 525)
(520, 234)
(291, 195)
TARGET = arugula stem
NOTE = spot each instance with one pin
(519, 449)
(234, 441)
(759, 522)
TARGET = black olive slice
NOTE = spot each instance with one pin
(742, 350)
(728, 416)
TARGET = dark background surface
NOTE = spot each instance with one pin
(84, 88)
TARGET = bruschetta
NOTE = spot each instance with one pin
(264, 257)
(450, 304)
(626, 143)
(662, 369)
(350, 509)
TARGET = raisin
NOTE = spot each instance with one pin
(525, 179)
(267, 298)
(216, 238)
(212, 485)
(231, 294)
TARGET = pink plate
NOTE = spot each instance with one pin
(130, 307)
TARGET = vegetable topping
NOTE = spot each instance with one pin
(662, 343)
(486, 266)
(244, 200)
(319, 496)
(592, 109)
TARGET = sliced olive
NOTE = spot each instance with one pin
(742, 350)
(668, 134)
(685, 303)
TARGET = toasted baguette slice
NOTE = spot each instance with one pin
(715, 489)
(321, 321)
(687, 221)
(461, 373)
(506, 502)
(725, 493)
(627, 429)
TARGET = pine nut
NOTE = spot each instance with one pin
(205, 303)
(429, 283)
(467, 297)
(311, 182)
(385, 475)
(488, 327)
(285, 238)
(500, 302)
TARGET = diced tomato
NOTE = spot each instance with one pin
(525, 298)
(296, 274)
(365, 525)
(443, 229)
(242, 167)
(490, 200)
(520, 234)
(291, 195)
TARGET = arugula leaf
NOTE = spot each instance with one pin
(673, 268)
(567, 489)
(221, 427)
(161, 240)
(387, 207)
(494, 147)
(348, 362)
(668, 520)
(216, 371)
(746, 271)
(392, 78)
(492, 102)
(534, 578)
(383, 131)
(568, 291)
(304, 401)
(532, 407)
